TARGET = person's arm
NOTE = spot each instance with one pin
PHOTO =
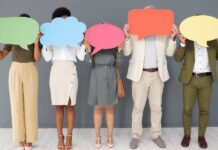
(127, 49)
(171, 45)
(37, 49)
(81, 52)
(216, 50)
(47, 53)
(180, 51)
(88, 57)
(4, 52)
(119, 53)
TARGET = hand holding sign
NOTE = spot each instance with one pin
(63, 32)
(200, 28)
(104, 36)
(18, 31)
(146, 22)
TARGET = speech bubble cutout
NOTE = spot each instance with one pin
(20, 31)
(200, 29)
(62, 32)
(146, 22)
(104, 36)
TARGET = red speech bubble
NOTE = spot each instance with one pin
(104, 36)
(146, 22)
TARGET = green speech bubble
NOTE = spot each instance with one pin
(20, 31)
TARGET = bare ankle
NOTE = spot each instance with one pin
(69, 139)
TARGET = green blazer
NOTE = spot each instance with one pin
(187, 54)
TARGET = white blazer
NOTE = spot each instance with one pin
(165, 47)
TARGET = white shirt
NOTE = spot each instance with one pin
(150, 60)
(66, 53)
(201, 59)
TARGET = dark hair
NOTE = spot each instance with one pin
(24, 15)
(61, 11)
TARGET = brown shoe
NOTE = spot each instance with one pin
(202, 142)
(185, 141)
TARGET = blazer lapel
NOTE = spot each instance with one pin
(209, 50)
(191, 47)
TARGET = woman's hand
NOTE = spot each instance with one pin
(86, 43)
(126, 30)
(120, 47)
(37, 39)
(174, 30)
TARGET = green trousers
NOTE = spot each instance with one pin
(199, 88)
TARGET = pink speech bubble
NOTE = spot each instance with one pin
(104, 36)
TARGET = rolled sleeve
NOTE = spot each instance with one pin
(47, 53)
(81, 53)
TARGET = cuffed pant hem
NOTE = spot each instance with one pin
(155, 136)
(135, 136)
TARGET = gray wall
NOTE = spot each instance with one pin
(92, 12)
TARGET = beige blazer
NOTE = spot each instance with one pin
(165, 47)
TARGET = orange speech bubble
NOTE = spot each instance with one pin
(146, 22)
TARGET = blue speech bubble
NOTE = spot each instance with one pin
(62, 32)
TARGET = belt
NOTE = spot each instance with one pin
(105, 66)
(202, 74)
(151, 69)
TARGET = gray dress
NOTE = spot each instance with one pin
(103, 82)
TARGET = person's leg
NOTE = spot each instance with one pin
(204, 98)
(189, 97)
(110, 124)
(59, 117)
(139, 94)
(17, 105)
(98, 112)
(155, 103)
(30, 86)
(70, 124)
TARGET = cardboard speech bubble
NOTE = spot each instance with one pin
(62, 32)
(20, 31)
(104, 36)
(146, 22)
(201, 29)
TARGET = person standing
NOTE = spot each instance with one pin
(148, 72)
(23, 90)
(103, 89)
(64, 82)
(197, 76)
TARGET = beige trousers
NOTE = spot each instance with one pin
(23, 88)
(149, 87)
